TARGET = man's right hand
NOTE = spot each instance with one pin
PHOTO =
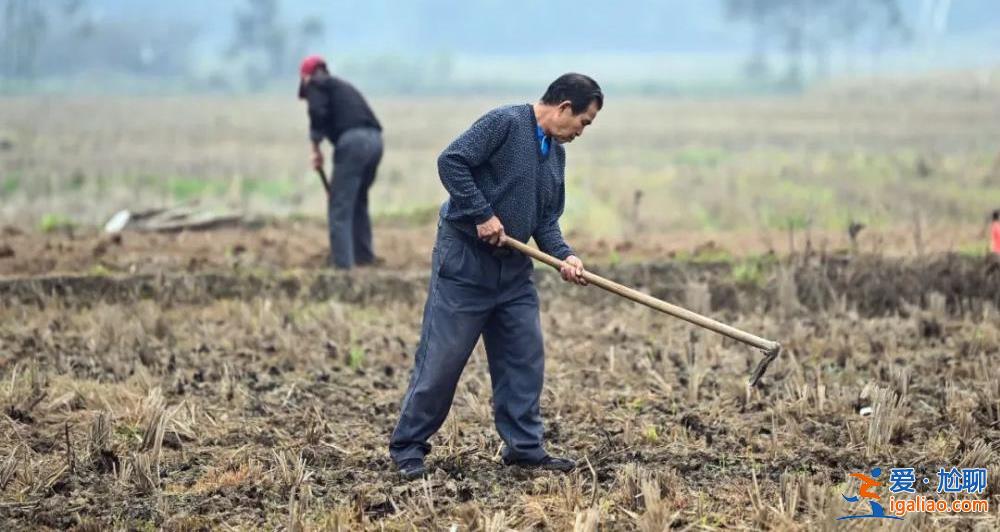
(317, 159)
(491, 231)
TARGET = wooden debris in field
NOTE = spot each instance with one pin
(182, 218)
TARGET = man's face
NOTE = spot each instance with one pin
(567, 126)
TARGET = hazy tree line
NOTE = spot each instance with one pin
(41, 39)
(26, 25)
(792, 41)
(65, 37)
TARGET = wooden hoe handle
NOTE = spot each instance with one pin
(771, 348)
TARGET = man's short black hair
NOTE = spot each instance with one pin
(579, 89)
(996, 215)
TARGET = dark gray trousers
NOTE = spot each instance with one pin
(355, 162)
(474, 292)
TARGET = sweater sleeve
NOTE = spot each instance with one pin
(548, 235)
(471, 149)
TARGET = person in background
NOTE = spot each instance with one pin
(995, 232)
(340, 114)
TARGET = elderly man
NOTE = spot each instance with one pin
(338, 113)
(505, 179)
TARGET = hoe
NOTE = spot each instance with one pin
(771, 349)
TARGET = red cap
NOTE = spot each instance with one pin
(310, 63)
(309, 66)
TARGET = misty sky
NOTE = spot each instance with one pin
(501, 27)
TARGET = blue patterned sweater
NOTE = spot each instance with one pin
(496, 167)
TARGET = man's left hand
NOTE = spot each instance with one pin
(572, 270)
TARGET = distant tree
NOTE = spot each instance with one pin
(261, 39)
(800, 28)
(755, 13)
(26, 25)
(310, 32)
(265, 44)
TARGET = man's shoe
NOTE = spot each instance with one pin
(412, 469)
(548, 463)
(376, 262)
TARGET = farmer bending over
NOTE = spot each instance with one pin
(505, 179)
(338, 113)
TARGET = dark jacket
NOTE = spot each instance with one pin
(334, 107)
(496, 168)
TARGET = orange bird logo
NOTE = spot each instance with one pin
(865, 491)
(867, 483)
